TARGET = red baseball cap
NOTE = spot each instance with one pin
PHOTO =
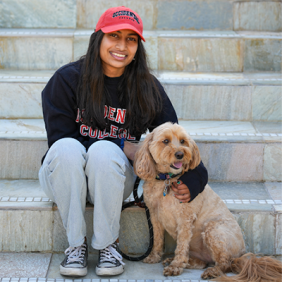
(118, 18)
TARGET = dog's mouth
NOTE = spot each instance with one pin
(176, 165)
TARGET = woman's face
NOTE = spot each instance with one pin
(117, 50)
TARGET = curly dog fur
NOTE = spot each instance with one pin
(205, 230)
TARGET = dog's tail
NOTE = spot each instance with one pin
(254, 268)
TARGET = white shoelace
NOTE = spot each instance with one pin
(76, 254)
(109, 254)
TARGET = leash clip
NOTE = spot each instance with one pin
(167, 185)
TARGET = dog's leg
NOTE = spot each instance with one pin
(157, 251)
(216, 240)
(193, 263)
(184, 235)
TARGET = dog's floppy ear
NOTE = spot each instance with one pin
(144, 165)
(196, 158)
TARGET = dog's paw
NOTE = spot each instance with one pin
(210, 273)
(172, 270)
(152, 258)
(167, 261)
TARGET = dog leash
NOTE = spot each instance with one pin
(139, 202)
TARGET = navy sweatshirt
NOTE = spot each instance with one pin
(63, 119)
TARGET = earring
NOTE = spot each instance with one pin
(133, 59)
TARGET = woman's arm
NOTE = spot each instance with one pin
(193, 180)
(59, 110)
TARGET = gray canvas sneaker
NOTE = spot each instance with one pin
(75, 262)
(110, 261)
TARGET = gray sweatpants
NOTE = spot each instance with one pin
(103, 174)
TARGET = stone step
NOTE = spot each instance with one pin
(156, 14)
(231, 150)
(44, 267)
(195, 96)
(30, 222)
(174, 50)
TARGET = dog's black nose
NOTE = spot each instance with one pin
(179, 155)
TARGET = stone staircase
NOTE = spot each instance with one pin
(220, 63)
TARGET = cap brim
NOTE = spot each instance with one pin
(121, 26)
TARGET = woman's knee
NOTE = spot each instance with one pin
(104, 153)
(63, 166)
(65, 151)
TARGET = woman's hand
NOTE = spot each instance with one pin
(130, 149)
(181, 191)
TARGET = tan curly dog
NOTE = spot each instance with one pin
(205, 230)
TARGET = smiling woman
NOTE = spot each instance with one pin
(95, 111)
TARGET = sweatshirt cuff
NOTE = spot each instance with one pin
(195, 180)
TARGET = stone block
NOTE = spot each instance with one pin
(262, 55)
(89, 12)
(218, 127)
(21, 188)
(272, 162)
(26, 230)
(80, 46)
(211, 102)
(274, 189)
(19, 127)
(200, 54)
(34, 53)
(254, 207)
(278, 237)
(267, 103)
(258, 16)
(195, 15)
(134, 231)
(151, 47)
(38, 13)
(240, 191)
(259, 232)
(24, 265)
(277, 208)
(20, 100)
(175, 94)
(233, 162)
(267, 127)
(21, 159)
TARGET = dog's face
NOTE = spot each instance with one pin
(167, 149)
(170, 149)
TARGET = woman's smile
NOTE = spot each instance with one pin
(118, 56)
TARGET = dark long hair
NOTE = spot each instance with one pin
(138, 92)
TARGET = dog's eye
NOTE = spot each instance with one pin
(166, 141)
(182, 141)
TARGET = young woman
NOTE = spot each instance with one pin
(95, 111)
